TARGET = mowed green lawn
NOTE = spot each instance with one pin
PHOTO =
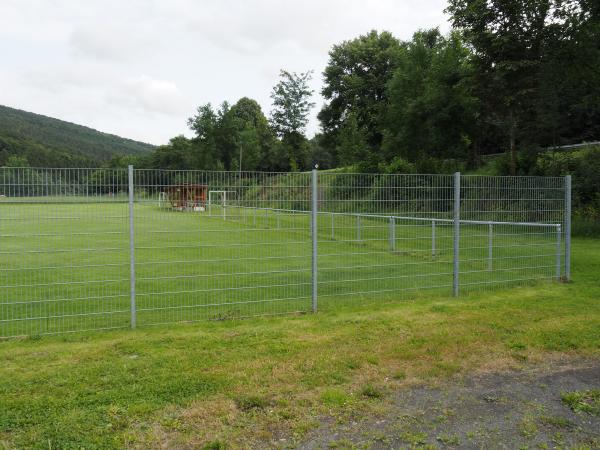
(238, 384)
(66, 266)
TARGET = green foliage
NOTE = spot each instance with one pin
(584, 166)
(355, 82)
(335, 398)
(249, 402)
(17, 161)
(556, 421)
(291, 105)
(511, 76)
(352, 146)
(371, 391)
(176, 155)
(527, 89)
(583, 401)
(232, 138)
(205, 153)
(291, 102)
(397, 165)
(431, 111)
(45, 141)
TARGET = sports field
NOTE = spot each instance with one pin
(66, 264)
(251, 383)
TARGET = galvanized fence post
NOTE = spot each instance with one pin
(332, 227)
(558, 250)
(433, 238)
(490, 245)
(456, 240)
(131, 250)
(392, 234)
(358, 238)
(568, 228)
(313, 221)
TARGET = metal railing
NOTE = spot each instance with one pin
(112, 248)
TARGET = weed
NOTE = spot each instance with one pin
(448, 440)
(556, 422)
(214, 445)
(414, 438)
(527, 428)
(248, 403)
(583, 401)
(399, 375)
(334, 398)
(371, 391)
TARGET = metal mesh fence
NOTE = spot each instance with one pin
(234, 247)
(107, 248)
(64, 254)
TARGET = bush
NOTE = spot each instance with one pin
(397, 165)
(584, 166)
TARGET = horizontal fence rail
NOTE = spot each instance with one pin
(90, 249)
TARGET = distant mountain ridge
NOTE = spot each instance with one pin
(44, 141)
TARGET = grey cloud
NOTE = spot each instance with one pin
(151, 95)
(139, 67)
(116, 43)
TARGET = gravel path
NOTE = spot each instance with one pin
(510, 410)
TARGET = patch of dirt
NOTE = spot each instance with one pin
(518, 409)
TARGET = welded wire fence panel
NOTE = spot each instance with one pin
(511, 230)
(220, 245)
(63, 252)
(106, 248)
(384, 234)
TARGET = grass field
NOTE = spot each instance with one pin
(247, 383)
(66, 265)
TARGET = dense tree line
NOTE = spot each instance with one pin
(240, 136)
(512, 76)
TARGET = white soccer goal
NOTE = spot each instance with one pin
(163, 200)
(219, 201)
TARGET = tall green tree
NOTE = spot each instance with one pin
(352, 146)
(355, 81)
(432, 110)
(178, 154)
(291, 102)
(206, 154)
(250, 136)
(568, 107)
(508, 38)
(289, 116)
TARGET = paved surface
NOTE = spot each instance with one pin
(509, 410)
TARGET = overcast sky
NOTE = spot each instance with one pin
(139, 68)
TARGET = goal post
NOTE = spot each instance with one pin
(163, 199)
(219, 201)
